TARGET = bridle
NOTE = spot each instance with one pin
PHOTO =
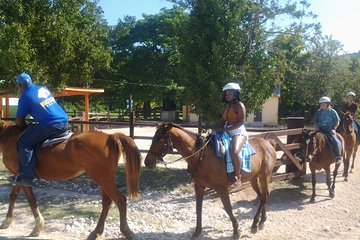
(168, 148)
(348, 129)
(308, 140)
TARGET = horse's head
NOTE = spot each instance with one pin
(308, 144)
(347, 122)
(160, 145)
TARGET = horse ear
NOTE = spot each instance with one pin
(167, 126)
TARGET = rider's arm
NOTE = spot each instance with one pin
(20, 121)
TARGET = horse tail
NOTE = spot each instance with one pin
(132, 164)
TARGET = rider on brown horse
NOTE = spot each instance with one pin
(232, 122)
(352, 107)
(50, 118)
(326, 121)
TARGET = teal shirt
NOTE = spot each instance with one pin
(326, 120)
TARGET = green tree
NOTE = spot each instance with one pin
(146, 56)
(230, 41)
(58, 42)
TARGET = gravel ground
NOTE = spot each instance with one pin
(71, 211)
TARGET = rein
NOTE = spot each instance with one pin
(187, 157)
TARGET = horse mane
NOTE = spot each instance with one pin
(9, 129)
(320, 138)
(200, 140)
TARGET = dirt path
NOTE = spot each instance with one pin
(71, 210)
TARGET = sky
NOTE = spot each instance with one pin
(338, 18)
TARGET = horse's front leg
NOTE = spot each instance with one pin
(313, 182)
(199, 192)
(39, 220)
(225, 199)
(332, 190)
(10, 213)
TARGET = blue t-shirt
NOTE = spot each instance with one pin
(38, 102)
(326, 120)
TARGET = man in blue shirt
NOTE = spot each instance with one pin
(50, 120)
(326, 121)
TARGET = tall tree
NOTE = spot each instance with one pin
(58, 42)
(229, 41)
(146, 55)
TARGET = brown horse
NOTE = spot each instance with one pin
(208, 171)
(347, 131)
(320, 155)
(94, 153)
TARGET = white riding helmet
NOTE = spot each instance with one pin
(325, 100)
(231, 86)
(351, 94)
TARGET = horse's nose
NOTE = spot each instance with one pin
(149, 163)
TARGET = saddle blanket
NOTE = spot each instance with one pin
(246, 152)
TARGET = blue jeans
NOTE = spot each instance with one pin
(33, 135)
(357, 130)
(334, 142)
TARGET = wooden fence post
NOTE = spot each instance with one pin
(132, 118)
(293, 122)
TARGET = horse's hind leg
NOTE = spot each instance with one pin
(225, 199)
(255, 185)
(10, 213)
(106, 203)
(39, 220)
(120, 201)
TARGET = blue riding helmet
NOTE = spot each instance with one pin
(24, 79)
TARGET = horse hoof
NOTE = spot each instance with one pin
(261, 226)
(94, 236)
(351, 171)
(236, 236)
(195, 235)
(254, 229)
(345, 179)
(312, 200)
(332, 195)
(6, 223)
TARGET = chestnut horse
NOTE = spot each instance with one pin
(208, 171)
(320, 156)
(347, 131)
(94, 153)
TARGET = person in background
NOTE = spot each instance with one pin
(50, 120)
(326, 121)
(232, 122)
(352, 107)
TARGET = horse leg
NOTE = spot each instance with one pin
(353, 157)
(313, 182)
(10, 213)
(264, 184)
(348, 154)
(332, 190)
(199, 192)
(225, 199)
(120, 200)
(39, 220)
(106, 203)
(255, 186)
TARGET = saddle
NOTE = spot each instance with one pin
(58, 138)
(222, 150)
